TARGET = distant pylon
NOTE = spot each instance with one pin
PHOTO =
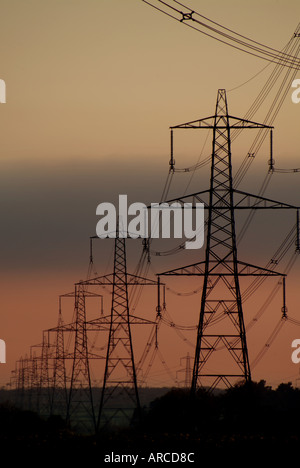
(80, 402)
(34, 364)
(188, 371)
(119, 400)
(21, 382)
(120, 392)
(59, 396)
(43, 394)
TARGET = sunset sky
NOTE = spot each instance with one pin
(92, 89)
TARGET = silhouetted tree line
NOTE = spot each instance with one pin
(252, 417)
(251, 408)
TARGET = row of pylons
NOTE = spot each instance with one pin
(55, 381)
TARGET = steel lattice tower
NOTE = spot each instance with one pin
(80, 402)
(120, 374)
(221, 253)
(119, 400)
(43, 397)
(221, 323)
(59, 397)
(187, 380)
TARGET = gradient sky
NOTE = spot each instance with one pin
(92, 88)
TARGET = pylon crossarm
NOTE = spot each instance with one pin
(68, 355)
(139, 321)
(103, 323)
(188, 270)
(206, 122)
(132, 280)
(185, 198)
(244, 269)
(69, 327)
(243, 123)
(99, 324)
(95, 356)
(257, 202)
(256, 270)
(70, 294)
(209, 122)
(247, 201)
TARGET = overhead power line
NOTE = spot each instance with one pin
(227, 36)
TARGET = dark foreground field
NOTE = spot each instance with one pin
(245, 423)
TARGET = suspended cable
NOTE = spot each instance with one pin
(269, 342)
(239, 42)
(269, 119)
(250, 79)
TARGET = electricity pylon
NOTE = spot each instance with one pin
(59, 395)
(119, 400)
(76, 402)
(80, 401)
(221, 336)
(43, 397)
(187, 371)
(120, 373)
(187, 380)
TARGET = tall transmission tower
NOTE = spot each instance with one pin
(119, 400)
(120, 373)
(221, 336)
